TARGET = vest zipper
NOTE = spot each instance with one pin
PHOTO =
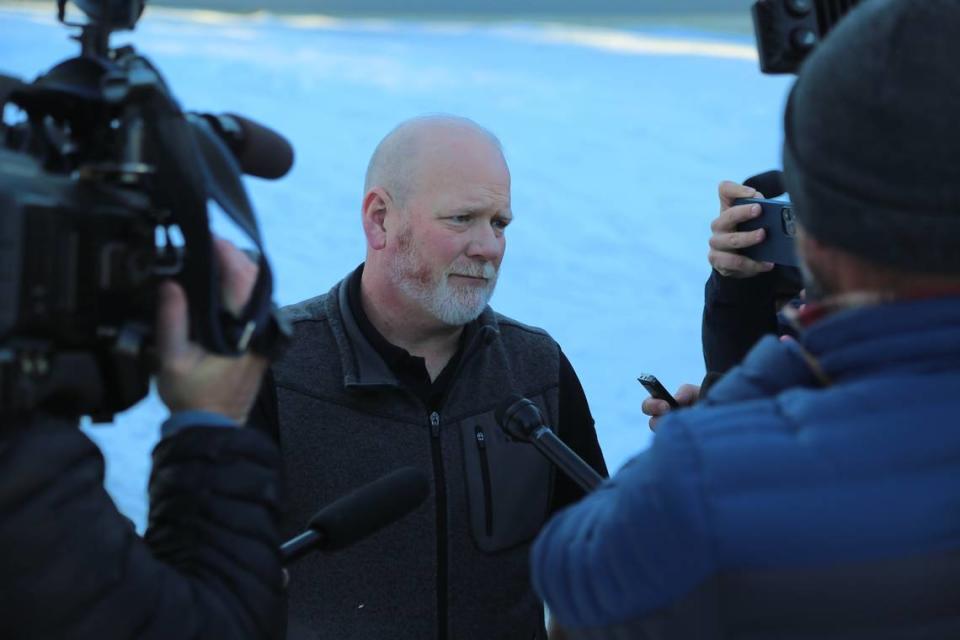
(440, 491)
(485, 473)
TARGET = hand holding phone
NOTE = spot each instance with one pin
(657, 390)
(777, 219)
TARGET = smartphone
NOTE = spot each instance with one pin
(776, 216)
(657, 390)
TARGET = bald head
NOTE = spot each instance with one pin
(406, 153)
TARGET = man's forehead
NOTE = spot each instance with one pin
(476, 179)
(470, 198)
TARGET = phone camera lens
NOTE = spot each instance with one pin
(789, 225)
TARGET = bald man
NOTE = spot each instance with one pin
(403, 363)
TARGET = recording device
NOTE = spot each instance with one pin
(777, 219)
(769, 183)
(657, 390)
(360, 513)
(788, 30)
(521, 419)
(104, 185)
(259, 150)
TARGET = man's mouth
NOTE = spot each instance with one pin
(475, 274)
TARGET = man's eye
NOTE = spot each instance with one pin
(460, 219)
(500, 223)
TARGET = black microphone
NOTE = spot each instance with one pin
(522, 420)
(360, 513)
(769, 183)
(260, 151)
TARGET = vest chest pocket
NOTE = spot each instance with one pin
(508, 485)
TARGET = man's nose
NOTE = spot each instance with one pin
(485, 243)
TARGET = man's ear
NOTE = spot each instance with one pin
(376, 205)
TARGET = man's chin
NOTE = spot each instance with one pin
(462, 313)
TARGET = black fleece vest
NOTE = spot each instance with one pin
(456, 568)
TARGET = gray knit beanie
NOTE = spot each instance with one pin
(871, 152)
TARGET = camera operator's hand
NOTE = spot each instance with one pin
(685, 396)
(726, 240)
(192, 379)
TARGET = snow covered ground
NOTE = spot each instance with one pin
(616, 142)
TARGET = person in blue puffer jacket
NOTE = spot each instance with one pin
(815, 491)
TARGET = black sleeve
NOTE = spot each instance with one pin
(73, 566)
(577, 430)
(739, 311)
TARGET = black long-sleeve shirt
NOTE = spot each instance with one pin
(739, 311)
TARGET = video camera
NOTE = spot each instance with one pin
(104, 185)
(788, 30)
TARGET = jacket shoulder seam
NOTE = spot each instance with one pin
(507, 322)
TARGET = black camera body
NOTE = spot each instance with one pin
(103, 193)
(76, 256)
(77, 265)
(788, 30)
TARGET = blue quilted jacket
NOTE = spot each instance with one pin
(787, 504)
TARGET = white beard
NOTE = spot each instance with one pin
(450, 304)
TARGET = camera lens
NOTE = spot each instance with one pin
(799, 8)
(789, 226)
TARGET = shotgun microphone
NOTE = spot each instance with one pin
(259, 150)
(769, 183)
(360, 513)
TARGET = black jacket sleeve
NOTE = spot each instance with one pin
(576, 429)
(74, 567)
(738, 312)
